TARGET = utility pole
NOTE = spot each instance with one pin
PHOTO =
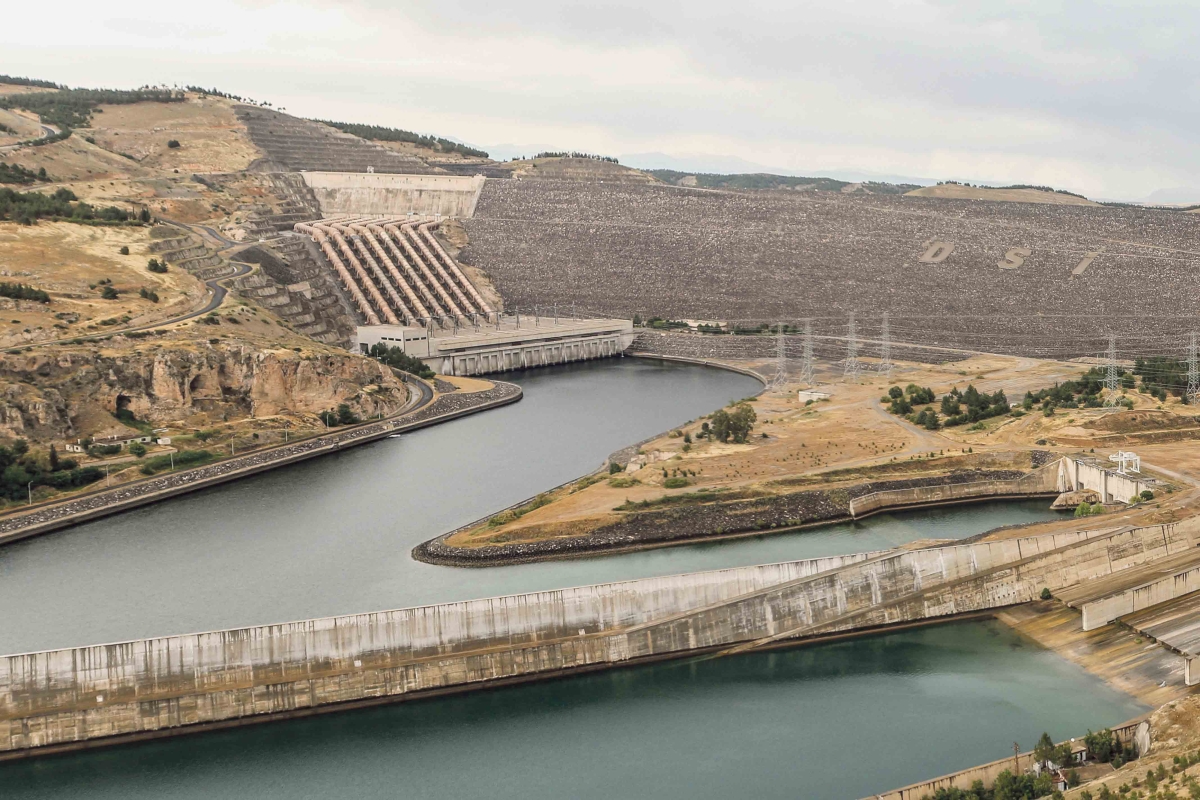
(885, 350)
(1016, 759)
(1110, 375)
(1193, 387)
(806, 363)
(851, 372)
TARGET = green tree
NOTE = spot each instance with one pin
(109, 293)
(895, 393)
(137, 449)
(345, 416)
(124, 250)
(53, 459)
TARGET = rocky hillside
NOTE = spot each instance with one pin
(56, 396)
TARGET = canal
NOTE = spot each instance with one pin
(333, 535)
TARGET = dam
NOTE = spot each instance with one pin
(349, 553)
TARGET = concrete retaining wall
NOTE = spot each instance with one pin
(1039, 482)
(139, 688)
(1127, 734)
(387, 194)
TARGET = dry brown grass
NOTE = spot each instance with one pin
(210, 136)
(65, 259)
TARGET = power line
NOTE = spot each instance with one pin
(806, 363)
(853, 367)
(885, 350)
(1110, 374)
(1193, 387)
(780, 362)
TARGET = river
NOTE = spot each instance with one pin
(333, 535)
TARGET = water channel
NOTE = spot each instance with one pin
(333, 536)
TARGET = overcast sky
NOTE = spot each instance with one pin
(1099, 98)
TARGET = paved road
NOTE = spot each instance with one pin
(218, 294)
(47, 130)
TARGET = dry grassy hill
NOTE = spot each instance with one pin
(957, 191)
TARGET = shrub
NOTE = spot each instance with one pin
(154, 265)
(675, 483)
(173, 143)
(184, 458)
(124, 250)
(137, 449)
(1147, 494)
(614, 468)
(623, 482)
(1045, 595)
(109, 293)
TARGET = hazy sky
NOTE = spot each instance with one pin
(1096, 97)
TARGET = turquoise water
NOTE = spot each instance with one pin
(840, 720)
(333, 536)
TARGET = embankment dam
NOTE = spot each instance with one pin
(89, 696)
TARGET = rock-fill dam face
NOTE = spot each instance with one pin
(65, 699)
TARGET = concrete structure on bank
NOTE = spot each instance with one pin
(1038, 483)
(63, 699)
(381, 193)
(501, 343)
(1078, 474)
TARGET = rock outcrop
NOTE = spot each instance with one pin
(45, 396)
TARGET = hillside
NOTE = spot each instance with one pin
(768, 181)
(958, 191)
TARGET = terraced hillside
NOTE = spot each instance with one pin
(1006, 277)
(293, 144)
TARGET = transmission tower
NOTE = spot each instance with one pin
(806, 363)
(1110, 375)
(1193, 390)
(780, 378)
(885, 350)
(853, 368)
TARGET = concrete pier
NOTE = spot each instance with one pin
(66, 699)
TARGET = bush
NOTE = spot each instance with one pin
(137, 449)
(109, 293)
(149, 294)
(1045, 595)
(623, 482)
(184, 458)
(1147, 494)
(173, 143)
(154, 265)
(614, 468)
(124, 250)
(675, 483)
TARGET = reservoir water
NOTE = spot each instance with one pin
(333, 536)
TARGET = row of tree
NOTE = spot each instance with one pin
(28, 207)
(73, 108)
(20, 291)
(382, 134)
(15, 173)
(22, 470)
(396, 358)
